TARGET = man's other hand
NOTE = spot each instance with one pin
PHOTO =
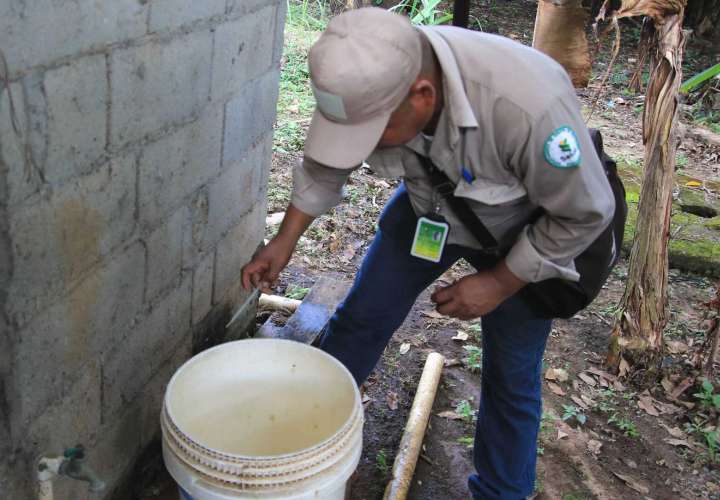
(478, 294)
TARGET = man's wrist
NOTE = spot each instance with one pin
(508, 281)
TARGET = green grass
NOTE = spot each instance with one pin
(305, 22)
(381, 462)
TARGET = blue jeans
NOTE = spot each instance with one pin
(385, 289)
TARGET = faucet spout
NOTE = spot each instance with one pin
(74, 466)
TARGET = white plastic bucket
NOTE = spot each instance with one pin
(262, 418)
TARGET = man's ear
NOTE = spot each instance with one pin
(424, 91)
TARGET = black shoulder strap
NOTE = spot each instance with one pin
(445, 188)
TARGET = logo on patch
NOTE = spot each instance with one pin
(562, 149)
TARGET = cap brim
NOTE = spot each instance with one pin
(339, 145)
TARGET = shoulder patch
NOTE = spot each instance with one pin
(562, 149)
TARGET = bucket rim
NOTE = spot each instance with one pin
(347, 425)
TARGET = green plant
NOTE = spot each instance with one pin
(465, 410)
(296, 292)
(381, 462)
(699, 79)
(468, 441)
(474, 358)
(712, 441)
(707, 397)
(546, 421)
(624, 424)
(423, 12)
(572, 411)
(681, 160)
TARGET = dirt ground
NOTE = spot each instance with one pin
(632, 444)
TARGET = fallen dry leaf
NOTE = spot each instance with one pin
(667, 408)
(579, 402)
(588, 400)
(618, 386)
(678, 442)
(693, 184)
(350, 250)
(587, 379)
(604, 383)
(555, 389)
(675, 432)
(682, 387)
(558, 374)
(449, 363)
(450, 415)
(602, 374)
(667, 385)
(432, 314)
(461, 336)
(274, 219)
(676, 346)
(561, 434)
(624, 368)
(366, 399)
(632, 483)
(594, 446)
(392, 400)
(646, 403)
(404, 348)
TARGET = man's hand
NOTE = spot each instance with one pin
(265, 267)
(477, 294)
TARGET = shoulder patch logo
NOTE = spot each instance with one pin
(562, 149)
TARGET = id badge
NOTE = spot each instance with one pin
(429, 241)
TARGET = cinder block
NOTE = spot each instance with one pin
(39, 31)
(164, 254)
(202, 288)
(236, 190)
(178, 164)
(197, 244)
(243, 51)
(236, 7)
(235, 250)
(77, 117)
(158, 84)
(95, 317)
(56, 240)
(128, 368)
(172, 14)
(154, 391)
(249, 115)
(280, 15)
(117, 447)
(73, 419)
(21, 181)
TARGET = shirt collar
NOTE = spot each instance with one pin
(460, 112)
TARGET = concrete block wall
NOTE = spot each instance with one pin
(135, 143)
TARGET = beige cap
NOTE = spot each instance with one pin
(361, 69)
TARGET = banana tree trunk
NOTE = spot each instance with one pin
(560, 33)
(637, 336)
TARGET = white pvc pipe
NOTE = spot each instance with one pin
(47, 470)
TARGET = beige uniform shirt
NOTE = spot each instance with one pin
(504, 106)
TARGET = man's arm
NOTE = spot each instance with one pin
(575, 196)
(316, 189)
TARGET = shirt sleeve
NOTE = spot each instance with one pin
(317, 188)
(569, 185)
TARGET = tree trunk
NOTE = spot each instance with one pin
(560, 33)
(637, 334)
